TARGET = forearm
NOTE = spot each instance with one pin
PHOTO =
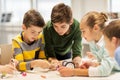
(80, 72)
(1, 68)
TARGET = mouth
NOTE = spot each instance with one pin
(60, 33)
(85, 38)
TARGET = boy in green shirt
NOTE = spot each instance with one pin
(62, 35)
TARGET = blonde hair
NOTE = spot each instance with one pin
(94, 17)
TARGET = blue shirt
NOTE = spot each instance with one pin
(117, 55)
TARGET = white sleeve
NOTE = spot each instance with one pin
(93, 71)
(104, 69)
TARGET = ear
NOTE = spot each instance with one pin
(23, 27)
(114, 40)
(96, 27)
(71, 21)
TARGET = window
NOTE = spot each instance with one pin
(17, 8)
(114, 5)
(45, 7)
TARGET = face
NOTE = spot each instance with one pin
(31, 33)
(61, 28)
(87, 33)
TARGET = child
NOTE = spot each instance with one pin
(28, 47)
(91, 26)
(62, 35)
(112, 39)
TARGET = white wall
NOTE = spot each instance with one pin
(80, 7)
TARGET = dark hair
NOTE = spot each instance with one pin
(112, 29)
(61, 13)
(93, 18)
(33, 17)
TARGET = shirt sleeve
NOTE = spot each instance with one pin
(106, 62)
(76, 48)
(104, 69)
(17, 53)
(49, 49)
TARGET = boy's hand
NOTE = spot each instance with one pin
(40, 63)
(77, 61)
(55, 64)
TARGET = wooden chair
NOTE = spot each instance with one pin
(5, 53)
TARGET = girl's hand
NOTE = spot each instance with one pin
(90, 55)
(65, 72)
(86, 63)
(7, 69)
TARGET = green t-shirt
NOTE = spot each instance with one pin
(57, 44)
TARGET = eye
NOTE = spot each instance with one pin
(55, 26)
(63, 27)
(82, 31)
(32, 32)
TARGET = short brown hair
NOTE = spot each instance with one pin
(61, 13)
(112, 29)
(94, 17)
(33, 17)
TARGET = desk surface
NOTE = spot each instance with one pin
(54, 75)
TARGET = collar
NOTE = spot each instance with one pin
(100, 43)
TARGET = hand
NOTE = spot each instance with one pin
(14, 62)
(40, 63)
(65, 72)
(90, 55)
(7, 69)
(86, 63)
(55, 64)
(77, 61)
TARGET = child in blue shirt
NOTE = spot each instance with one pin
(112, 39)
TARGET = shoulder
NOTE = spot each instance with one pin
(18, 38)
(75, 25)
(117, 51)
(48, 25)
(48, 28)
(40, 35)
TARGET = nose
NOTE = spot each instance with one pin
(58, 30)
(35, 35)
(82, 35)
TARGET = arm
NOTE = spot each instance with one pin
(106, 62)
(104, 69)
(49, 49)
(77, 46)
(65, 72)
(17, 53)
(28, 65)
(7, 68)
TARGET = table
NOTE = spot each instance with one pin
(54, 75)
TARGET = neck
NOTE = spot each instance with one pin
(98, 36)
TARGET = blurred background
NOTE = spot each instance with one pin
(12, 12)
